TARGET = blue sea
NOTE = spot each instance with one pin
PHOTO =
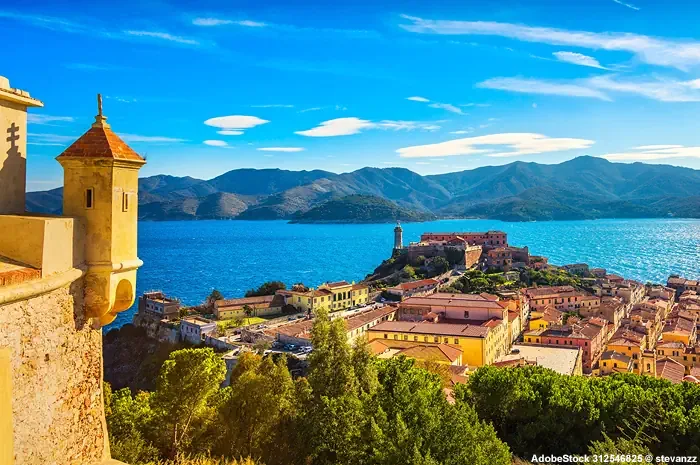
(187, 259)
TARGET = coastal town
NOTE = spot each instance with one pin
(586, 322)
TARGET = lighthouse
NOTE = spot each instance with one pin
(398, 237)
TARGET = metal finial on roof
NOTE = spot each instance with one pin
(100, 119)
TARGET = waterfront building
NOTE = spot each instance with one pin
(257, 306)
(499, 258)
(681, 284)
(194, 329)
(157, 305)
(485, 239)
(456, 250)
(421, 287)
(580, 269)
(62, 278)
(345, 295)
(299, 331)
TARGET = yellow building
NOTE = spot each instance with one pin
(614, 362)
(345, 295)
(257, 306)
(61, 279)
(544, 318)
(480, 345)
(633, 345)
(308, 301)
(100, 186)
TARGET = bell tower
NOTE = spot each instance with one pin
(100, 186)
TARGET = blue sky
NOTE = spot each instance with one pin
(431, 86)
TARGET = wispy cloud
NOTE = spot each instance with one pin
(578, 59)
(353, 125)
(234, 125)
(150, 139)
(463, 131)
(337, 127)
(543, 87)
(223, 22)
(163, 36)
(281, 149)
(599, 87)
(509, 145)
(49, 139)
(483, 105)
(446, 106)
(310, 109)
(119, 99)
(216, 143)
(681, 54)
(655, 152)
(39, 118)
(443, 106)
(628, 5)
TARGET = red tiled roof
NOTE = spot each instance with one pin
(416, 284)
(670, 369)
(100, 142)
(444, 329)
(338, 284)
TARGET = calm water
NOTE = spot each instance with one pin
(188, 259)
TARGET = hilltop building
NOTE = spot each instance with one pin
(159, 306)
(257, 306)
(484, 239)
(62, 279)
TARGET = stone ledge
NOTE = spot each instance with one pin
(12, 272)
(26, 290)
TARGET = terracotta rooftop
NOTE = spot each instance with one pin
(263, 299)
(439, 329)
(100, 142)
(612, 355)
(670, 369)
(338, 284)
(416, 284)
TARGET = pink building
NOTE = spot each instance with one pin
(489, 238)
(589, 337)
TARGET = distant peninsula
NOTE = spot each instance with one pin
(582, 188)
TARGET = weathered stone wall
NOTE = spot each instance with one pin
(56, 360)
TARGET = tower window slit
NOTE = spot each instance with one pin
(89, 198)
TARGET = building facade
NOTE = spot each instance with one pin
(484, 239)
(194, 329)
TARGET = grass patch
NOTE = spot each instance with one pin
(235, 322)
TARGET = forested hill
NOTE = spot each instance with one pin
(582, 188)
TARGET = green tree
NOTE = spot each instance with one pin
(213, 297)
(268, 288)
(187, 380)
(248, 310)
(300, 287)
(440, 264)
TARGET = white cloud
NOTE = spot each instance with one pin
(475, 105)
(222, 22)
(234, 124)
(515, 143)
(628, 5)
(216, 143)
(578, 59)
(680, 54)
(310, 109)
(353, 125)
(418, 99)
(337, 127)
(655, 152)
(50, 139)
(446, 106)
(155, 139)
(163, 36)
(38, 118)
(664, 90)
(535, 86)
(463, 131)
(281, 149)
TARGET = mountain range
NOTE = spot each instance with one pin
(582, 188)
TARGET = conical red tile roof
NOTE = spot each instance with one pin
(100, 142)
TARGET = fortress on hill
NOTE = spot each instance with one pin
(61, 279)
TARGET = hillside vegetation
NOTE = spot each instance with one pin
(582, 188)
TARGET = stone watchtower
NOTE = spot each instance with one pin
(398, 237)
(62, 277)
(101, 186)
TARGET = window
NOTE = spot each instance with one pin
(89, 198)
(436, 339)
(456, 341)
(396, 337)
(415, 338)
(447, 340)
(636, 366)
(386, 336)
(405, 337)
(466, 315)
(425, 339)
(126, 197)
(648, 367)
